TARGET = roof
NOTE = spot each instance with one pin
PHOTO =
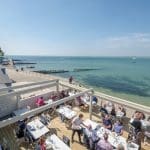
(4, 77)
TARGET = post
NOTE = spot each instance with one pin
(18, 100)
(57, 86)
(90, 107)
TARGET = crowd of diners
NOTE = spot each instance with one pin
(111, 116)
(93, 142)
(90, 138)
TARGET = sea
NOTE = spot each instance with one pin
(124, 77)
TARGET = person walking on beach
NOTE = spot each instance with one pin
(70, 79)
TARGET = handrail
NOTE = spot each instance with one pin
(128, 104)
(40, 109)
(27, 85)
(25, 90)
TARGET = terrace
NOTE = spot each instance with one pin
(20, 104)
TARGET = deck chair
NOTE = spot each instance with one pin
(66, 140)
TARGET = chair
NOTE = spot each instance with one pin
(146, 135)
(132, 134)
(132, 146)
(18, 140)
(66, 140)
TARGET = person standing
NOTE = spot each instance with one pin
(70, 79)
(76, 127)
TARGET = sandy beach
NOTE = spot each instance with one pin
(28, 76)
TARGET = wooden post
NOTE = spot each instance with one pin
(90, 107)
(18, 100)
(57, 86)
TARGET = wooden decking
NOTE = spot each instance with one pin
(6, 134)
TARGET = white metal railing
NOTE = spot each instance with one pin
(27, 85)
(41, 109)
(115, 100)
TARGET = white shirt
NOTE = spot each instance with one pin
(76, 122)
(88, 132)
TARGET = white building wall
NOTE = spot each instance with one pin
(8, 103)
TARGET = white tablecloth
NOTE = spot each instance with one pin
(145, 123)
(20, 111)
(71, 93)
(88, 122)
(37, 128)
(50, 101)
(67, 112)
(86, 100)
(119, 114)
(56, 143)
(109, 109)
(112, 138)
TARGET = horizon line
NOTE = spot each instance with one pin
(75, 55)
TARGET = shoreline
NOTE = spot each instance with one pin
(36, 77)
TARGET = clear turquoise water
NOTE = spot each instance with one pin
(113, 75)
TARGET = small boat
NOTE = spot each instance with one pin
(133, 59)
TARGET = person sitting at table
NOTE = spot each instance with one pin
(21, 127)
(109, 106)
(142, 118)
(118, 127)
(107, 122)
(76, 127)
(94, 100)
(113, 111)
(22, 124)
(80, 102)
(103, 110)
(41, 144)
(44, 118)
(40, 102)
(120, 113)
(103, 144)
(19, 133)
(27, 136)
(135, 115)
(62, 94)
(53, 96)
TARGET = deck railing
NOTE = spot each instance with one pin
(38, 110)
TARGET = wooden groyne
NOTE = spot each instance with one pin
(84, 69)
(24, 63)
(51, 71)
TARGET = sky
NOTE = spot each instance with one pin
(75, 27)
